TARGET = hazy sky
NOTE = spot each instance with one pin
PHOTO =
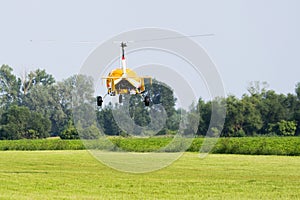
(254, 39)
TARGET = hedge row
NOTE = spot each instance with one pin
(244, 145)
(39, 144)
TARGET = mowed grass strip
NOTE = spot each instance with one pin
(77, 175)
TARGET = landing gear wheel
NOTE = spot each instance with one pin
(99, 101)
(147, 100)
(120, 98)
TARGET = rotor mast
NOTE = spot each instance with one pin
(123, 60)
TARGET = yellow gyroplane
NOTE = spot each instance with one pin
(122, 81)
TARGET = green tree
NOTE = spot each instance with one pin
(234, 117)
(160, 94)
(272, 109)
(37, 77)
(44, 100)
(9, 86)
(92, 132)
(137, 111)
(297, 90)
(290, 104)
(63, 96)
(296, 116)
(75, 96)
(38, 126)
(174, 121)
(69, 131)
(252, 122)
(287, 128)
(257, 88)
(283, 128)
(14, 123)
(106, 121)
(204, 110)
(19, 122)
(192, 119)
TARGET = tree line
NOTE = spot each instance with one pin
(35, 105)
(258, 112)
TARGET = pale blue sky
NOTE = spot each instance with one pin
(254, 40)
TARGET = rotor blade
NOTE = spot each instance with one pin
(64, 42)
(176, 37)
(118, 42)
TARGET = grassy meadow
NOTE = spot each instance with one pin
(71, 174)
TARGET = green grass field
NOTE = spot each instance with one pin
(77, 175)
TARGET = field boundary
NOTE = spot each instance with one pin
(245, 145)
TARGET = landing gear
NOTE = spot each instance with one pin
(99, 101)
(120, 98)
(147, 100)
